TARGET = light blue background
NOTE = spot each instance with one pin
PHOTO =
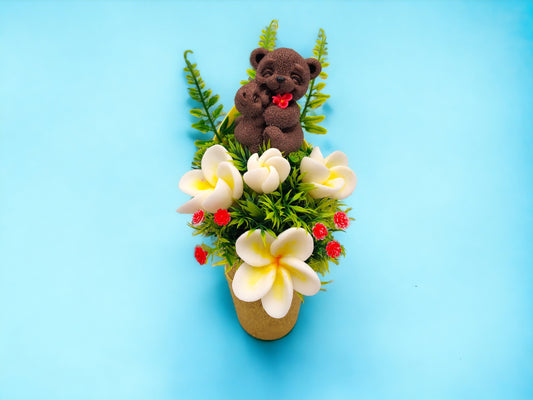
(100, 296)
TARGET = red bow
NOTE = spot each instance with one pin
(282, 100)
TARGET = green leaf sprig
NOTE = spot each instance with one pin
(267, 40)
(208, 116)
(314, 97)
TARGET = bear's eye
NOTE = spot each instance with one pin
(267, 73)
(254, 98)
(296, 78)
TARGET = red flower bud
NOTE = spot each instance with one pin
(333, 249)
(320, 231)
(222, 217)
(341, 220)
(198, 217)
(200, 254)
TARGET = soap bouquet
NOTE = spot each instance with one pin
(267, 201)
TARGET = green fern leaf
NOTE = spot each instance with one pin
(315, 129)
(267, 40)
(197, 113)
(316, 103)
(313, 119)
(314, 98)
(208, 118)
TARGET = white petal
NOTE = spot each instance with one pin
(210, 160)
(282, 166)
(253, 162)
(335, 183)
(252, 250)
(193, 182)
(272, 152)
(277, 301)
(219, 198)
(313, 171)
(255, 178)
(330, 190)
(349, 178)
(252, 283)
(316, 154)
(304, 279)
(227, 172)
(271, 183)
(194, 204)
(336, 158)
(294, 242)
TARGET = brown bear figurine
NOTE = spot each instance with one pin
(250, 101)
(285, 75)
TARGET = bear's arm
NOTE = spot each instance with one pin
(283, 118)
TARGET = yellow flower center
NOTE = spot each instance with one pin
(276, 261)
(202, 185)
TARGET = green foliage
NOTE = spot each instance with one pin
(267, 39)
(251, 76)
(289, 206)
(208, 116)
(202, 146)
(238, 152)
(314, 97)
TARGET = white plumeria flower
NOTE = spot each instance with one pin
(273, 268)
(267, 172)
(331, 176)
(214, 186)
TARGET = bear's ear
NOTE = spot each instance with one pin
(257, 55)
(314, 67)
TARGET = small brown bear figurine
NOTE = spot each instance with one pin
(284, 75)
(250, 101)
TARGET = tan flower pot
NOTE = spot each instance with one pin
(256, 322)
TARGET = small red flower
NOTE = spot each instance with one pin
(282, 100)
(222, 217)
(320, 231)
(341, 220)
(198, 217)
(200, 254)
(333, 249)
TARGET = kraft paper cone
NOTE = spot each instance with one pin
(256, 322)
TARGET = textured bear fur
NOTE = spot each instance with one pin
(250, 101)
(278, 72)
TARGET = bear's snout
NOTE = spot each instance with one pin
(280, 84)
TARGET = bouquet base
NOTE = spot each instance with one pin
(256, 322)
